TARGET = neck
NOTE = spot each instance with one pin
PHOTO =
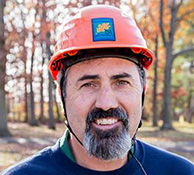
(90, 162)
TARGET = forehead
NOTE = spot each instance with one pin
(103, 66)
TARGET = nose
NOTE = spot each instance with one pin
(106, 99)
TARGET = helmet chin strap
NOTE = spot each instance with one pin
(143, 100)
(65, 112)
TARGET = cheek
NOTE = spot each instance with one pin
(80, 103)
(131, 100)
(134, 108)
(134, 121)
(78, 107)
(133, 105)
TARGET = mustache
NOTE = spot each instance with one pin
(98, 113)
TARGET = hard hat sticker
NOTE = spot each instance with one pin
(103, 29)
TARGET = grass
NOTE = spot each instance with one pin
(41, 136)
(182, 131)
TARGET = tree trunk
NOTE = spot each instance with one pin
(58, 118)
(26, 117)
(168, 44)
(3, 116)
(166, 109)
(155, 117)
(58, 113)
(190, 108)
(42, 118)
(33, 121)
(51, 122)
(42, 34)
(24, 59)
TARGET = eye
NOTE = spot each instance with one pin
(122, 83)
(90, 84)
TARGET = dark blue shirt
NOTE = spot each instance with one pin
(155, 161)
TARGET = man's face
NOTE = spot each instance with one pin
(103, 104)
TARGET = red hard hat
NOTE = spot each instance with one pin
(99, 27)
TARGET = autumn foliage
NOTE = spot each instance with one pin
(30, 32)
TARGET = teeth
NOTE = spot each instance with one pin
(106, 121)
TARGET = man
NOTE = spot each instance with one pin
(100, 64)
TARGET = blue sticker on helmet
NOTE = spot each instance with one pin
(103, 29)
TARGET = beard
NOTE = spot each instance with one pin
(111, 144)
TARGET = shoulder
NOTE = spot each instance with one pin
(165, 161)
(30, 165)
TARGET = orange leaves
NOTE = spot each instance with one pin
(181, 91)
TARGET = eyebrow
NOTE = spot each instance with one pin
(88, 77)
(94, 77)
(122, 75)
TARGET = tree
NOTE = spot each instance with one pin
(32, 121)
(26, 118)
(190, 101)
(42, 118)
(3, 118)
(155, 117)
(24, 34)
(151, 33)
(51, 123)
(43, 46)
(168, 42)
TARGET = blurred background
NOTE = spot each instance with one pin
(28, 97)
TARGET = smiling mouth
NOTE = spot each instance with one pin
(106, 123)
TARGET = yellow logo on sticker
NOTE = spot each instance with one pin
(102, 27)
